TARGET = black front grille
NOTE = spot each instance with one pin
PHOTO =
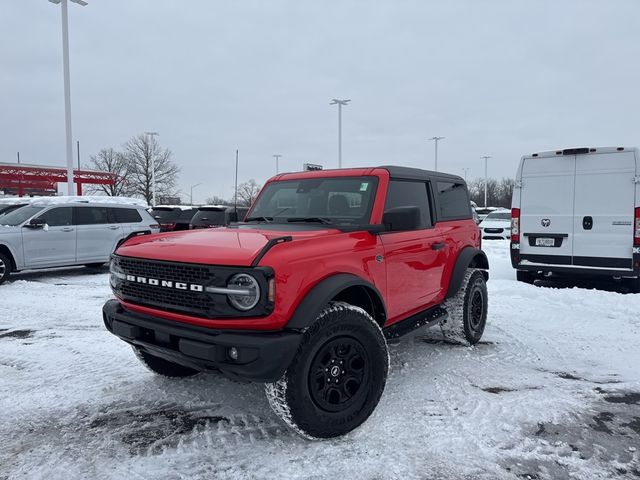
(179, 287)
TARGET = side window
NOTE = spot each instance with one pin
(57, 217)
(126, 215)
(92, 215)
(403, 193)
(453, 201)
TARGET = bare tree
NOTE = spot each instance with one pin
(140, 152)
(216, 200)
(498, 192)
(110, 160)
(247, 192)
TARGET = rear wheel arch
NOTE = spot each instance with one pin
(341, 287)
(468, 257)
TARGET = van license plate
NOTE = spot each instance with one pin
(545, 242)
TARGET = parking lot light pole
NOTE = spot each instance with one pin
(191, 196)
(67, 88)
(150, 135)
(340, 104)
(436, 139)
(486, 157)
(277, 157)
(465, 174)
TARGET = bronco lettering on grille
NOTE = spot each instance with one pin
(166, 283)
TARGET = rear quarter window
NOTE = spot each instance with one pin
(126, 215)
(453, 201)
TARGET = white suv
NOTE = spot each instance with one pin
(46, 234)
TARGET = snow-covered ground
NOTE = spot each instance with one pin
(552, 391)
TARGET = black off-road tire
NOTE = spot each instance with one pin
(163, 367)
(5, 268)
(310, 397)
(525, 277)
(467, 310)
(633, 285)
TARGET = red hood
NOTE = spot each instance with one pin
(216, 246)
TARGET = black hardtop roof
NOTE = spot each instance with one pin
(417, 173)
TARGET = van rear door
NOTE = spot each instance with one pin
(604, 201)
(546, 209)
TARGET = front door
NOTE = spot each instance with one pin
(413, 259)
(55, 243)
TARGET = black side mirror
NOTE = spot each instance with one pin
(402, 218)
(36, 223)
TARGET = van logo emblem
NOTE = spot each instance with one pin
(545, 222)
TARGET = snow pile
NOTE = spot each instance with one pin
(551, 392)
(88, 199)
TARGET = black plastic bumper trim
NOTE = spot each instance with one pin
(263, 356)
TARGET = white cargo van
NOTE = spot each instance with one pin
(576, 212)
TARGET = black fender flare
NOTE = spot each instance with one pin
(469, 256)
(322, 293)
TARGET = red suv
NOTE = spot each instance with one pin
(304, 293)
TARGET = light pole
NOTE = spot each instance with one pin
(436, 139)
(340, 104)
(150, 135)
(191, 196)
(277, 157)
(486, 157)
(465, 174)
(67, 88)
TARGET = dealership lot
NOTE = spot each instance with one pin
(552, 391)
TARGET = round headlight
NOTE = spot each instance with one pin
(250, 291)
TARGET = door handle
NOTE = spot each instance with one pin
(587, 223)
(67, 229)
(113, 227)
(438, 246)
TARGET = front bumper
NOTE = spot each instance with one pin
(262, 357)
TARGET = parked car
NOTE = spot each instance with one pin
(209, 216)
(173, 217)
(496, 225)
(576, 213)
(484, 211)
(49, 234)
(304, 293)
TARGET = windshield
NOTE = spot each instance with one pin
(499, 216)
(338, 200)
(17, 217)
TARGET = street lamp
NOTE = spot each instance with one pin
(191, 196)
(277, 157)
(465, 174)
(153, 167)
(486, 157)
(435, 139)
(340, 104)
(67, 87)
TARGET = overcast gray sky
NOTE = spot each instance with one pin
(495, 77)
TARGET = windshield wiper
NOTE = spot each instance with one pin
(322, 220)
(259, 219)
